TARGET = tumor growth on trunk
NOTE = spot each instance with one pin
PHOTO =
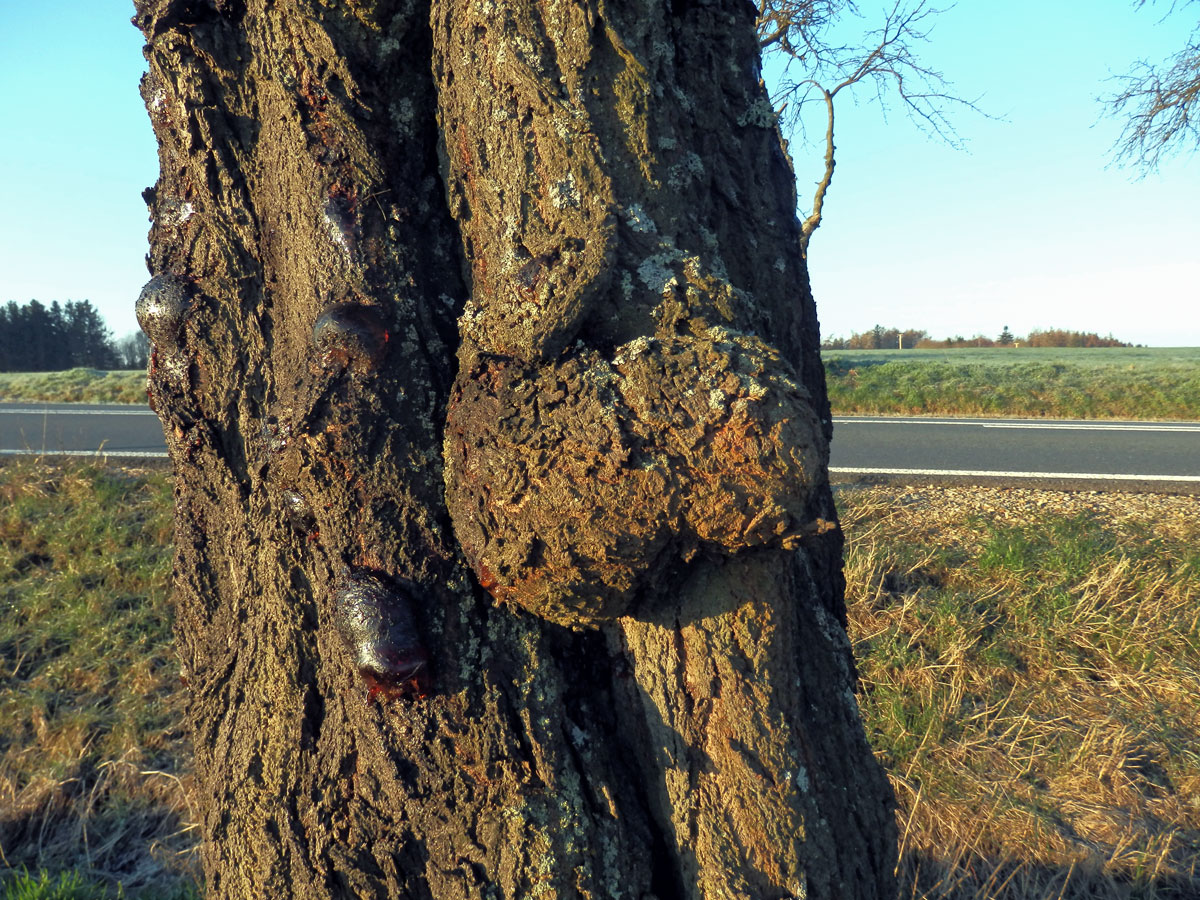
(580, 489)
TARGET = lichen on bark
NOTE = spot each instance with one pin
(616, 410)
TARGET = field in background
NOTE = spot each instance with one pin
(1090, 357)
(1119, 383)
(1030, 664)
(74, 386)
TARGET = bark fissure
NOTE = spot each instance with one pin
(574, 669)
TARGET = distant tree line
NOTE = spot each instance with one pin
(880, 338)
(1057, 337)
(35, 337)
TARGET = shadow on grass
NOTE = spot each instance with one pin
(115, 828)
(927, 877)
(840, 368)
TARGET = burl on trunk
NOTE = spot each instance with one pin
(507, 564)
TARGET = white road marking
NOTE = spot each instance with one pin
(39, 411)
(122, 453)
(1112, 426)
(980, 423)
(84, 453)
(971, 473)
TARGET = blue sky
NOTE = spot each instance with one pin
(1027, 226)
(77, 150)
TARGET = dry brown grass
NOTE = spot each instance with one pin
(1031, 687)
(92, 761)
(1030, 660)
(114, 820)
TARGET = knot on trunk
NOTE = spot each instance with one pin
(161, 307)
(577, 488)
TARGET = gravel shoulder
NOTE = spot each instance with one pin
(932, 509)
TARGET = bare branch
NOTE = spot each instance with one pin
(1159, 104)
(816, 70)
(813, 220)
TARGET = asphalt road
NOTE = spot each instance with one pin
(80, 430)
(1049, 452)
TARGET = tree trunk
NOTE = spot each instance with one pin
(507, 564)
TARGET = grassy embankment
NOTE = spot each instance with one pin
(91, 754)
(1121, 383)
(1030, 665)
(74, 386)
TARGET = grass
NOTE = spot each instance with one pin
(1091, 357)
(74, 386)
(1030, 665)
(1119, 383)
(1031, 688)
(1100, 383)
(73, 886)
(91, 756)
(64, 886)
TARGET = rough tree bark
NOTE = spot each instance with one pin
(506, 560)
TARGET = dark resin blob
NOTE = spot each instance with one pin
(375, 619)
(348, 333)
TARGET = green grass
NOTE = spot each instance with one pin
(73, 886)
(1091, 357)
(1133, 383)
(74, 386)
(64, 886)
(91, 755)
(1030, 684)
(1101, 383)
